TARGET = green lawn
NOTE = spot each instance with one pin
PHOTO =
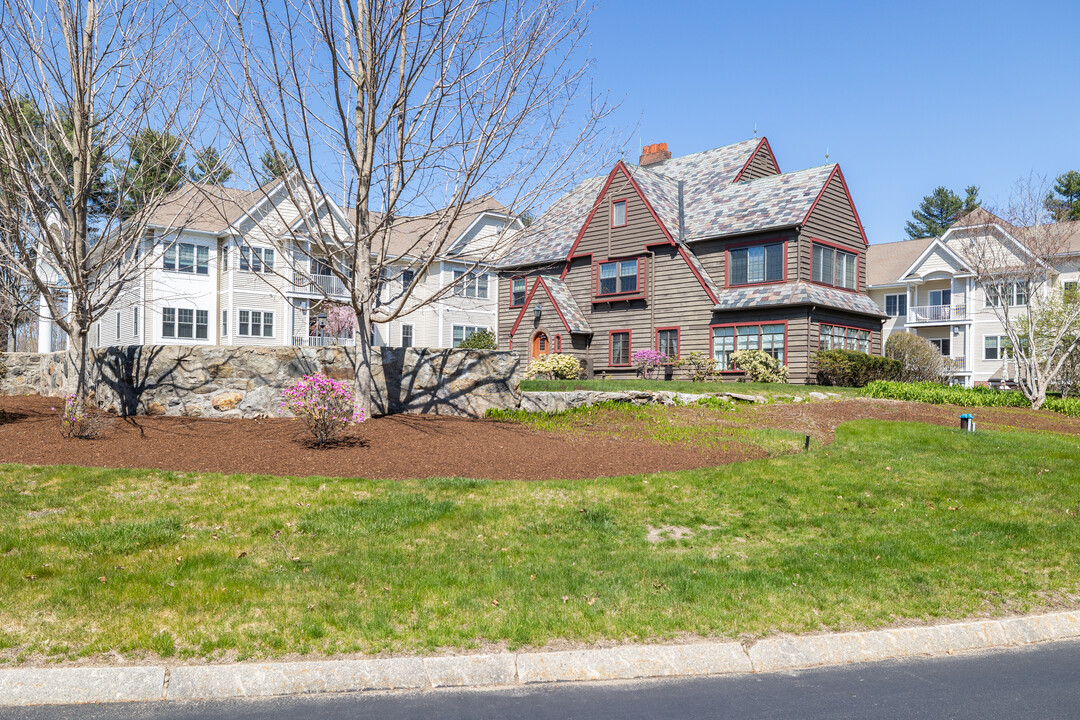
(684, 386)
(891, 522)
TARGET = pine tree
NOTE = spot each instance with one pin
(1063, 201)
(210, 167)
(275, 164)
(939, 210)
(156, 167)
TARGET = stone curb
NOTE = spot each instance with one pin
(55, 686)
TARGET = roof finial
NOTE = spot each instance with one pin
(755, 129)
(826, 153)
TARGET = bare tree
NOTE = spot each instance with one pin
(410, 109)
(1015, 255)
(79, 80)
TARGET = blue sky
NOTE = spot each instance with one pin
(905, 95)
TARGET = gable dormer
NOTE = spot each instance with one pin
(761, 163)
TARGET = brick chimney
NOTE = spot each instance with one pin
(652, 154)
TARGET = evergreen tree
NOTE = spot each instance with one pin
(1063, 201)
(939, 210)
(210, 167)
(275, 164)
(157, 166)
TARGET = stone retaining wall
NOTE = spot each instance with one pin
(227, 381)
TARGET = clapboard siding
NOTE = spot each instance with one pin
(641, 228)
(762, 164)
(508, 315)
(833, 220)
(713, 253)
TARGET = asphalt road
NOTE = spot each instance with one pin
(1038, 682)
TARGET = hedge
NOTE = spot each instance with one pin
(850, 368)
(937, 394)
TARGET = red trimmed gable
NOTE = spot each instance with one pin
(539, 283)
(761, 163)
(835, 199)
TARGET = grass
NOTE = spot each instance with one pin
(664, 425)
(684, 386)
(893, 521)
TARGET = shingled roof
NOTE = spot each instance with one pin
(713, 204)
(796, 293)
(568, 307)
(886, 261)
(204, 208)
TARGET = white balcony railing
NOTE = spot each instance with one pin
(327, 285)
(938, 313)
(956, 364)
(322, 341)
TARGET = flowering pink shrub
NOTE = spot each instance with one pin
(647, 361)
(325, 406)
(77, 422)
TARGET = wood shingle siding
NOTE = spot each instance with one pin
(833, 221)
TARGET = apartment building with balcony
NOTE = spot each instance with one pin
(926, 287)
(232, 267)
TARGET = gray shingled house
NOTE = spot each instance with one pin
(716, 251)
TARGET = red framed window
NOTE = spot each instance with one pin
(619, 347)
(618, 213)
(757, 264)
(518, 287)
(667, 341)
(842, 337)
(616, 278)
(726, 339)
(557, 344)
(834, 266)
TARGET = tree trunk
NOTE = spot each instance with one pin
(83, 344)
(363, 376)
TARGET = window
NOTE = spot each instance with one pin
(618, 213)
(187, 258)
(185, 323)
(224, 258)
(557, 343)
(461, 332)
(996, 347)
(619, 348)
(407, 277)
(1070, 290)
(834, 267)
(756, 264)
(1011, 293)
(202, 324)
(618, 277)
(406, 335)
(135, 322)
(940, 297)
(944, 345)
(667, 342)
(168, 322)
(475, 285)
(729, 338)
(255, 323)
(896, 305)
(259, 260)
(517, 292)
(224, 323)
(838, 337)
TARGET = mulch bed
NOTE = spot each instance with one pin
(418, 446)
(394, 447)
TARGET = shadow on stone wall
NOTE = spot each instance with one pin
(240, 381)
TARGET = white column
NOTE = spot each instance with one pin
(44, 341)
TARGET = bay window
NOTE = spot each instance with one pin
(832, 266)
(727, 339)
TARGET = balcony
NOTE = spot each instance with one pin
(324, 285)
(938, 314)
(955, 364)
(322, 341)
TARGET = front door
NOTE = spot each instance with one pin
(540, 344)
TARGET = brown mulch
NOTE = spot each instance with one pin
(394, 447)
(412, 446)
